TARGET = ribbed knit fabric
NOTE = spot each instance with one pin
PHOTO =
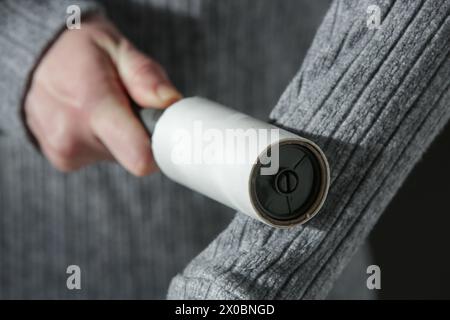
(373, 99)
(26, 30)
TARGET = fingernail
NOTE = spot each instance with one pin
(168, 93)
(141, 160)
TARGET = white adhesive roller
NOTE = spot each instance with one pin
(254, 167)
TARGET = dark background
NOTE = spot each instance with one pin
(411, 240)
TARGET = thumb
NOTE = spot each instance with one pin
(145, 80)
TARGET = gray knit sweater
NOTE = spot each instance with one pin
(373, 99)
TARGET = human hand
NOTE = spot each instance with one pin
(78, 104)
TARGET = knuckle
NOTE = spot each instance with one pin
(140, 70)
(61, 138)
(60, 163)
(64, 145)
(65, 148)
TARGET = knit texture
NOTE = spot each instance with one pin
(372, 99)
(26, 30)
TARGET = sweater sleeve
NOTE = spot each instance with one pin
(27, 28)
(373, 99)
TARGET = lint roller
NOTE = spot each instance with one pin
(254, 167)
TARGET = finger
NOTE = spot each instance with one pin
(145, 80)
(115, 124)
(61, 136)
(72, 157)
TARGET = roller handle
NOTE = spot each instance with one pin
(149, 117)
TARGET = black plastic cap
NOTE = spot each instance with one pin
(291, 194)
